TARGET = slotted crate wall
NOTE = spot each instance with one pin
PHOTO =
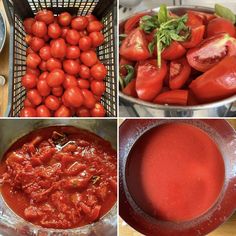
(18, 10)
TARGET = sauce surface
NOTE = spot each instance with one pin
(175, 172)
(60, 177)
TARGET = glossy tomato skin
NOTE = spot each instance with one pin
(98, 110)
(79, 23)
(173, 97)
(130, 89)
(54, 31)
(91, 17)
(217, 83)
(64, 31)
(28, 22)
(83, 83)
(33, 60)
(43, 111)
(73, 97)
(34, 97)
(28, 103)
(43, 66)
(97, 38)
(206, 17)
(72, 37)
(28, 112)
(71, 67)
(36, 43)
(179, 73)
(133, 22)
(45, 53)
(53, 64)
(85, 43)
(32, 71)
(173, 52)
(220, 25)
(84, 72)
(29, 81)
(45, 15)
(98, 87)
(83, 112)
(39, 29)
(57, 91)
(52, 102)
(63, 111)
(43, 88)
(43, 76)
(194, 20)
(58, 48)
(89, 99)
(28, 39)
(64, 19)
(212, 50)
(135, 46)
(89, 58)
(29, 50)
(70, 81)
(55, 78)
(149, 79)
(99, 71)
(95, 26)
(72, 52)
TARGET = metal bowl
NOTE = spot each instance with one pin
(224, 136)
(213, 109)
(12, 224)
(3, 32)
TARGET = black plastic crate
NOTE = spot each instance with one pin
(18, 10)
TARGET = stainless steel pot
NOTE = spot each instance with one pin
(141, 108)
(12, 224)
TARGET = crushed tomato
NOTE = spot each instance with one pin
(60, 177)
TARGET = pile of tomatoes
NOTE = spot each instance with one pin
(200, 70)
(64, 76)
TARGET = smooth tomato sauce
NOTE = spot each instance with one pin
(175, 172)
(60, 177)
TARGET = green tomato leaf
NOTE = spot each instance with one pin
(225, 13)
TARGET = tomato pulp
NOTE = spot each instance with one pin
(175, 172)
(59, 177)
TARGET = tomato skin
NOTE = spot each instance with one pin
(72, 52)
(28, 39)
(122, 63)
(28, 22)
(197, 34)
(70, 81)
(64, 19)
(32, 71)
(34, 97)
(28, 112)
(89, 99)
(74, 97)
(53, 64)
(179, 73)
(220, 25)
(39, 29)
(55, 78)
(173, 52)
(62, 111)
(135, 46)
(36, 43)
(193, 20)
(91, 17)
(89, 58)
(64, 31)
(43, 88)
(99, 71)
(71, 67)
(43, 76)
(43, 111)
(97, 38)
(217, 83)
(94, 26)
(52, 102)
(98, 110)
(45, 15)
(29, 81)
(29, 50)
(58, 48)
(45, 53)
(79, 23)
(98, 87)
(130, 89)
(54, 31)
(84, 72)
(85, 43)
(83, 83)
(57, 91)
(206, 17)
(173, 97)
(133, 22)
(149, 79)
(33, 60)
(83, 112)
(43, 66)
(72, 37)
(27, 103)
(212, 50)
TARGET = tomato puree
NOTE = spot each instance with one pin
(175, 172)
(59, 177)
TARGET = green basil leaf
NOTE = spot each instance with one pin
(151, 47)
(163, 14)
(225, 12)
(149, 23)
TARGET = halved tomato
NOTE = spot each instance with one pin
(174, 51)
(193, 20)
(122, 64)
(133, 22)
(149, 80)
(135, 46)
(211, 51)
(179, 73)
(217, 83)
(206, 17)
(130, 89)
(173, 97)
(196, 37)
